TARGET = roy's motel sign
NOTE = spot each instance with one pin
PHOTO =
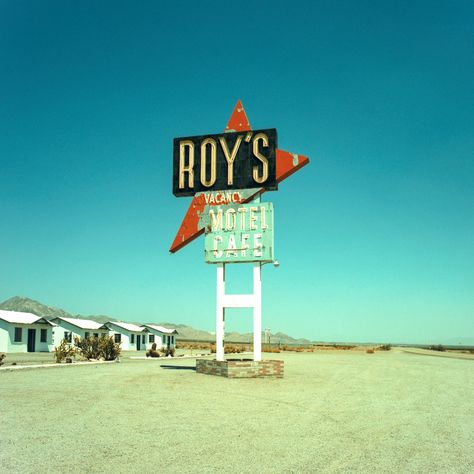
(225, 161)
(226, 174)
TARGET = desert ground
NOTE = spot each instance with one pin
(334, 411)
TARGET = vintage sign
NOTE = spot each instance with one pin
(237, 233)
(225, 161)
(286, 164)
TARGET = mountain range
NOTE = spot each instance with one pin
(21, 303)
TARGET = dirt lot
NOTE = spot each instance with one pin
(335, 411)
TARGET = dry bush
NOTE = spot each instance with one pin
(370, 351)
(438, 347)
(231, 349)
(385, 347)
(2, 356)
(168, 351)
(286, 347)
(64, 351)
(273, 350)
(109, 349)
(104, 347)
(153, 352)
(192, 345)
(87, 347)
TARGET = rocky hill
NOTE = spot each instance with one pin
(21, 303)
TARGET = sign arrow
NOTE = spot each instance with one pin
(286, 164)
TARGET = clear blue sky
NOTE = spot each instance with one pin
(375, 237)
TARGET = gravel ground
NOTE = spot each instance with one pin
(335, 411)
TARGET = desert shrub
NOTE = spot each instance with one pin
(2, 356)
(192, 345)
(370, 351)
(168, 351)
(153, 352)
(64, 351)
(274, 350)
(88, 347)
(108, 348)
(231, 349)
(438, 347)
(385, 347)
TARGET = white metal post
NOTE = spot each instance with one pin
(253, 300)
(220, 311)
(257, 312)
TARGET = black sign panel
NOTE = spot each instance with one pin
(236, 160)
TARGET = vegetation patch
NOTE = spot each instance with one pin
(437, 347)
(88, 348)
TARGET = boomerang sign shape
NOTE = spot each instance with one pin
(286, 164)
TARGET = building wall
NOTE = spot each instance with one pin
(63, 327)
(159, 339)
(7, 337)
(126, 343)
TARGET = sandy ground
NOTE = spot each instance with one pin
(334, 411)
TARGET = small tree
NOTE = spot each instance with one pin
(108, 348)
(88, 347)
(63, 351)
(2, 356)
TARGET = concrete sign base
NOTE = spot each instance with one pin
(241, 368)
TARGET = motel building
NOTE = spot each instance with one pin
(130, 336)
(163, 337)
(68, 328)
(25, 332)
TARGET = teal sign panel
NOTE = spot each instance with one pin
(238, 233)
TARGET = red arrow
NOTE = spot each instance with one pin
(286, 164)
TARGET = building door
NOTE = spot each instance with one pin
(139, 340)
(31, 340)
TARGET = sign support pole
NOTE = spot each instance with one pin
(253, 301)
(220, 311)
(257, 312)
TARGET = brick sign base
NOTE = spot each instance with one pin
(240, 368)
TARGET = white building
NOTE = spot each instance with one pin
(163, 337)
(131, 336)
(68, 328)
(25, 332)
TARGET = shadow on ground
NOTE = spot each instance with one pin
(178, 367)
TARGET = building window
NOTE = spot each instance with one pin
(151, 338)
(172, 340)
(143, 339)
(68, 336)
(96, 334)
(163, 339)
(132, 338)
(44, 335)
(117, 338)
(18, 333)
(87, 335)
